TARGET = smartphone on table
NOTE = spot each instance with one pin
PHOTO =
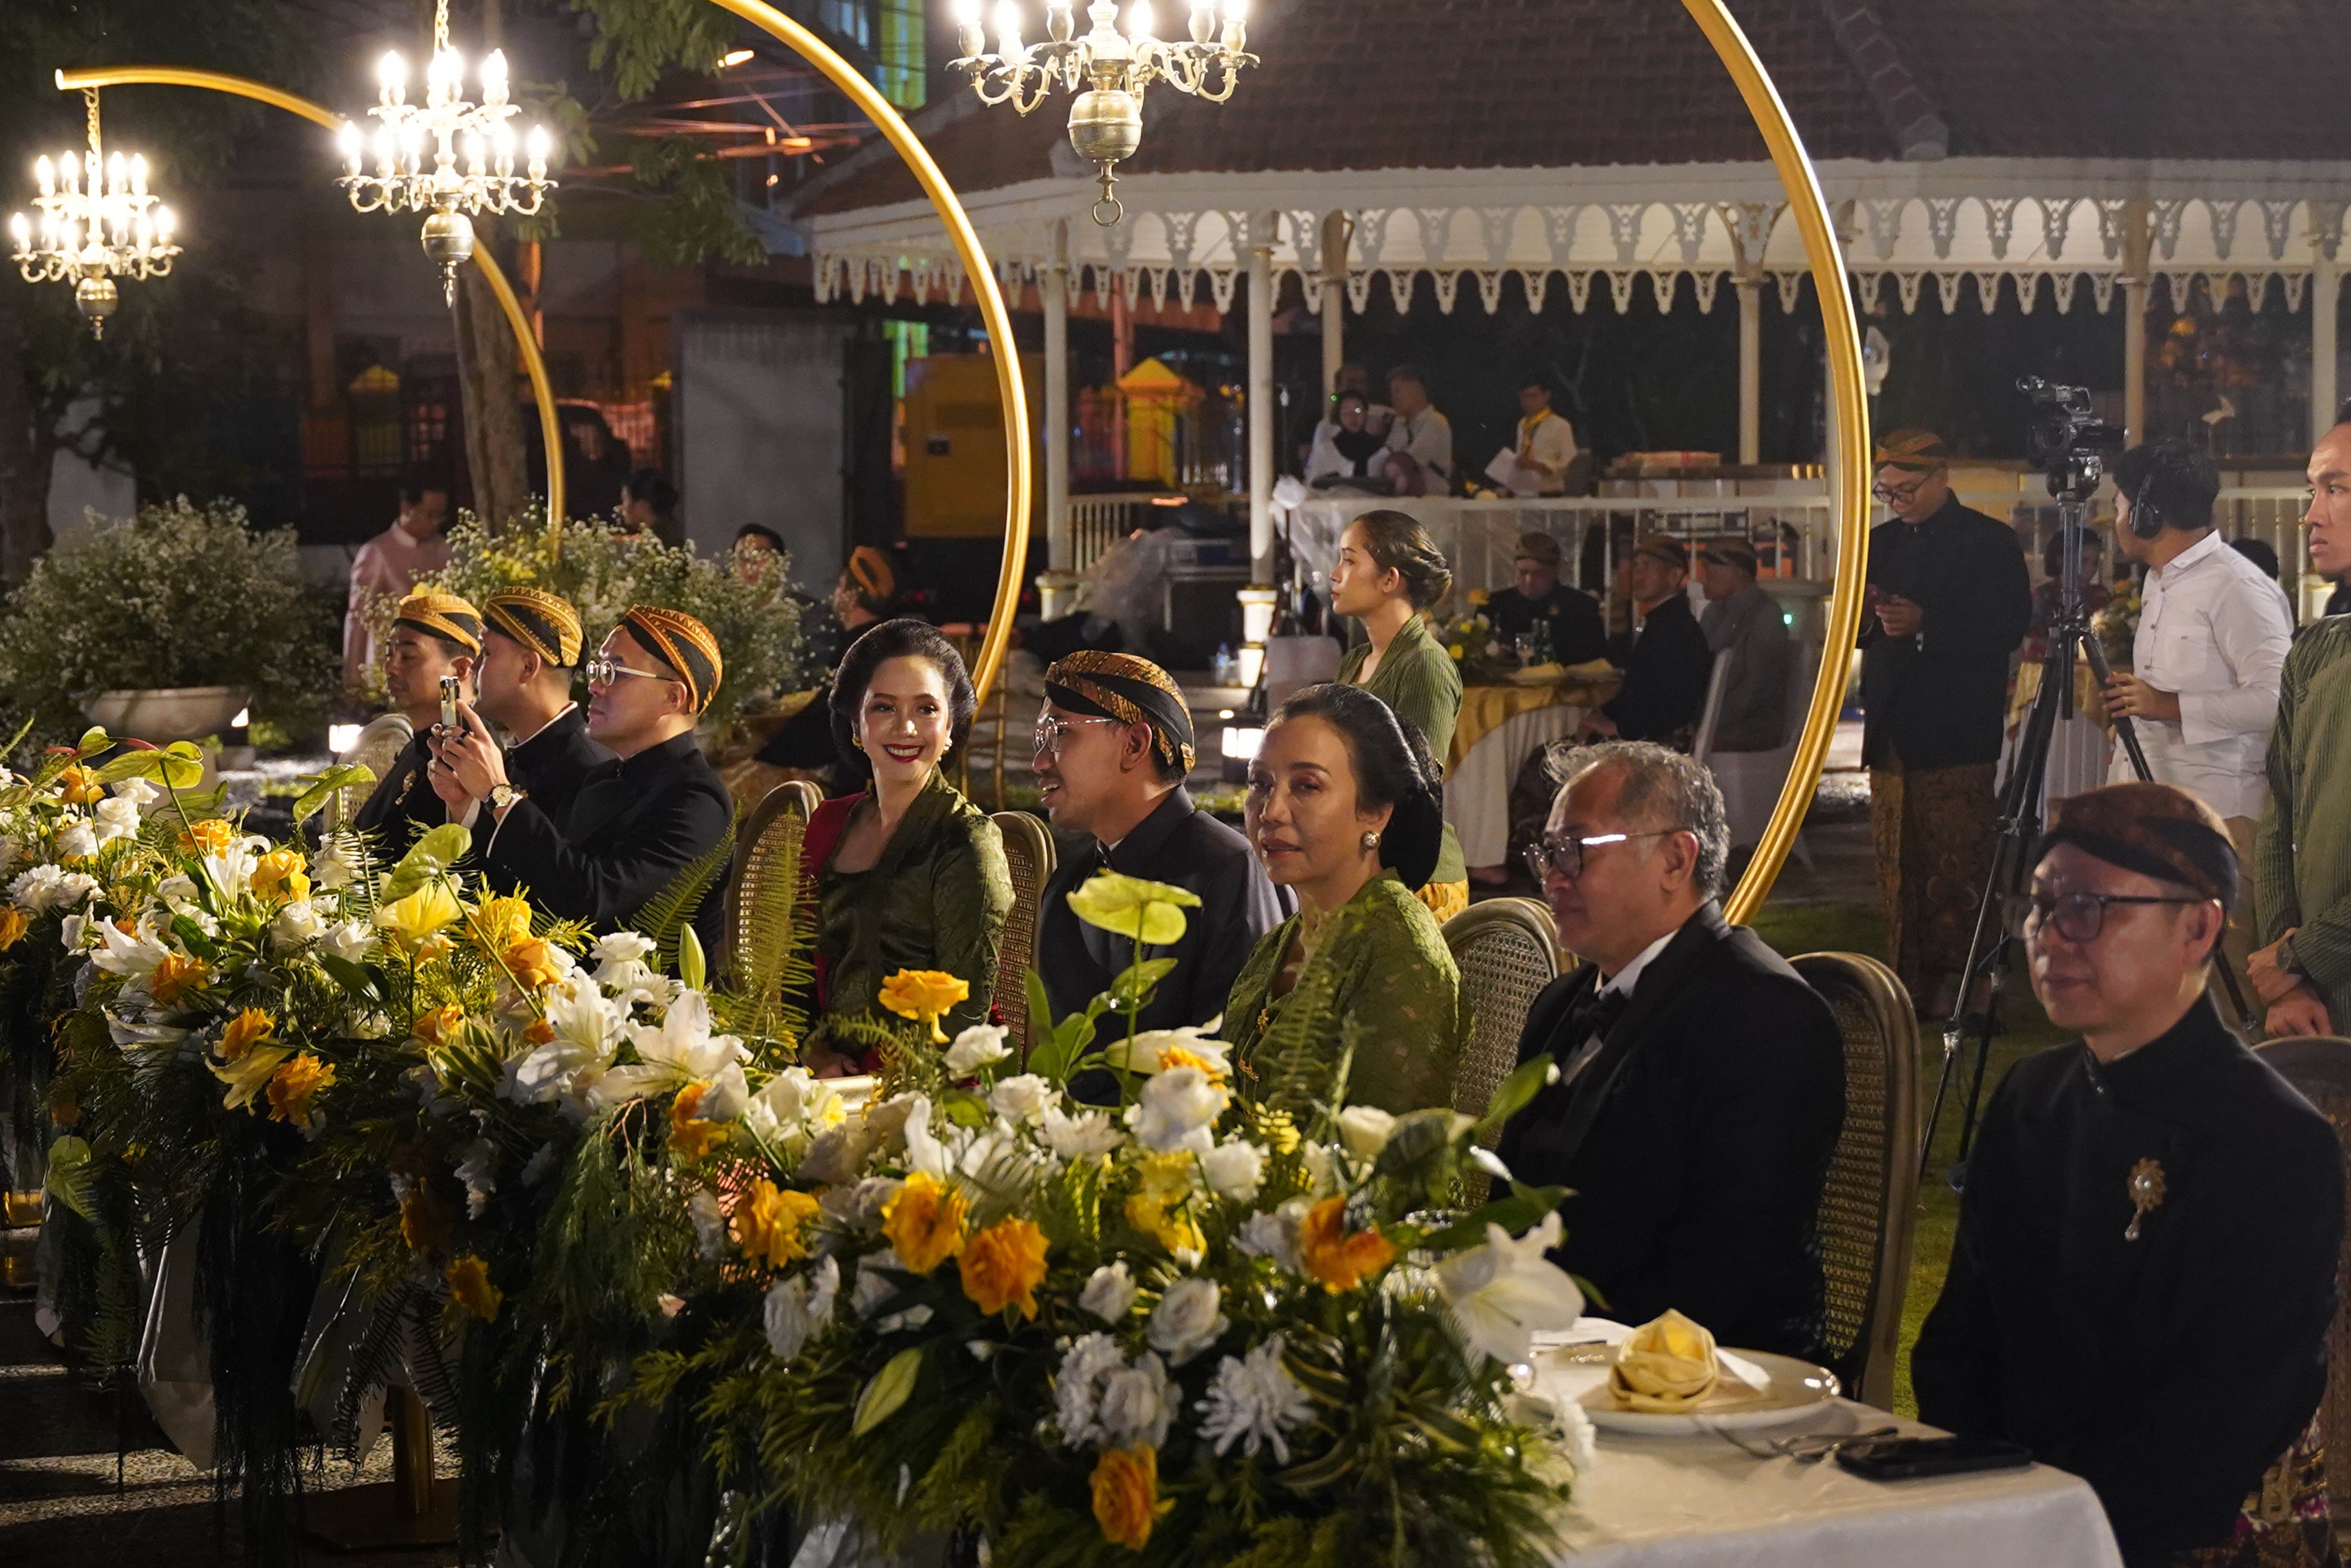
(1907, 1459)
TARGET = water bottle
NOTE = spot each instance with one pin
(1223, 669)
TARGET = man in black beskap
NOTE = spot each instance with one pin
(1666, 662)
(1949, 599)
(1570, 619)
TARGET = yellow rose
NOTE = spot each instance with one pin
(411, 921)
(469, 1286)
(294, 1086)
(213, 836)
(1339, 1261)
(1157, 1205)
(248, 1028)
(249, 1073)
(1129, 906)
(692, 1135)
(925, 1223)
(772, 1223)
(439, 1027)
(79, 787)
(14, 924)
(922, 995)
(533, 964)
(1126, 1496)
(174, 977)
(279, 875)
(1003, 1265)
(501, 922)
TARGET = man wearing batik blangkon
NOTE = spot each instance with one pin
(1112, 747)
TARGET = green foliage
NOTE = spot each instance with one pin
(637, 40)
(700, 216)
(177, 596)
(664, 919)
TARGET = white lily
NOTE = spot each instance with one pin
(1500, 1295)
(131, 954)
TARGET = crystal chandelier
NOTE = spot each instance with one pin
(416, 149)
(1106, 118)
(98, 223)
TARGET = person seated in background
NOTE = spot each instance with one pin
(905, 873)
(1347, 452)
(804, 744)
(530, 652)
(1353, 378)
(1666, 662)
(1569, 620)
(649, 506)
(1741, 617)
(1346, 810)
(433, 634)
(1701, 1081)
(2143, 1281)
(636, 823)
(1112, 747)
(757, 552)
(388, 566)
(1546, 442)
(1420, 439)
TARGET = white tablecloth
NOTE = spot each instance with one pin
(1699, 1503)
(1478, 795)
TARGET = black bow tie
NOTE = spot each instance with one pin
(1595, 1016)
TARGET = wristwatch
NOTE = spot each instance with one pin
(2288, 960)
(502, 795)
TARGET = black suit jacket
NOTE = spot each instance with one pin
(631, 826)
(551, 766)
(404, 805)
(1696, 1141)
(1577, 635)
(1666, 673)
(1939, 699)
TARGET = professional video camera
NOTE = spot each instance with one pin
(2064, 438)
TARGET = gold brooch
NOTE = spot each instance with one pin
(2145, 1194)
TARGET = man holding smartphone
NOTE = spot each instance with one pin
(436, 639)
(2144, 1276)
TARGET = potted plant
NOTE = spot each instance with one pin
(165, 625)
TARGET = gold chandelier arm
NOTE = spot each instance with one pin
(89, 102)
(550, 428)
(1849, 450)
(975, 266)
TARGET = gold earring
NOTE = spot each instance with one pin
(1371, 842)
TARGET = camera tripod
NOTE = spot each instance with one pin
(2019, 826)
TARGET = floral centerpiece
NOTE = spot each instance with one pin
(1471, 639)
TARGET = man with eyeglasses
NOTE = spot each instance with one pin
(1112, 747)
(1701, 1081)
(1949, 599)
(635, 824)
(2143, 1280)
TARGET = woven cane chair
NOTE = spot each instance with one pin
(770, 835)
(2319, 1066)
(1508, 952)
(1865, 1217)
(1028, 852)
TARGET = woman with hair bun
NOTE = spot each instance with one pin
(1346, 810)
(1389, 571)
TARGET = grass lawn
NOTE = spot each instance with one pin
(1854, 928)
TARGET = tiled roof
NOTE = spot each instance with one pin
(1438, 84)
(1445, 84)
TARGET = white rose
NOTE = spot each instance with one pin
(1021, 1099)
(1081, 1136)
(176, 889)
(72, 888)
(1275, 1235)
(1109, 1293)
(796, 1308)
(137, 792)
(1177, 1109)
(349, 940)
(77, 842)
(1138, 1404)
(1366, 1130)
(117, 819)
(296, 923)
(979, 1046)
(35, 890)
(1234, 1169)
(1187, 1321)
(335, 865)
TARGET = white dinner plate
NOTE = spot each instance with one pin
(1792, 1389)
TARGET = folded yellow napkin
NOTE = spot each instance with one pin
(1665, 1367)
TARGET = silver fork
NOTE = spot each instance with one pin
(1810, 1449)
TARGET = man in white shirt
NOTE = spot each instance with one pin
(1546, 440)
(388, 566)
(2213, 634)
(1420, 441)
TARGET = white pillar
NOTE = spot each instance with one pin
(2326, 296)
(2135, 282)
(1261, 395)
(1058, 580)
(1750, 367)
(1335, 301)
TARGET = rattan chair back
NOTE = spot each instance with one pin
(2319, 1066)
(1507, 951)
(1029, 852)
(767, 844)
(1866, 1203)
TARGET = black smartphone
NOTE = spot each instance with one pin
(1904, 1459)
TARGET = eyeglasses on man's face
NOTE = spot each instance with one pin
(1896, 494)
(1562, 855)
(1050, 733)
(602, 671)
(2078, 917)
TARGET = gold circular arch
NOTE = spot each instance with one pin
(1849, 444)
(526, 345)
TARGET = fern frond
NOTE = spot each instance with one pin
(1301, 1063)
(666, 913)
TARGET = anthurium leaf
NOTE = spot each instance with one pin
(93, 740)
(1517, 1091)
(353, 977)
(888, 1389)
(1523, 1209)
(1132, 990)
(433, 853)
(341, 775)
(69, 1179)
(691, 967)
(1049, 1061)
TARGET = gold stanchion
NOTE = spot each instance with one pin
(409, 1509)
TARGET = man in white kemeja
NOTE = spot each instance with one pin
(2202, 690)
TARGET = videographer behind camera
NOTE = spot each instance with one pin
(1949, 599)
(2213, 634)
